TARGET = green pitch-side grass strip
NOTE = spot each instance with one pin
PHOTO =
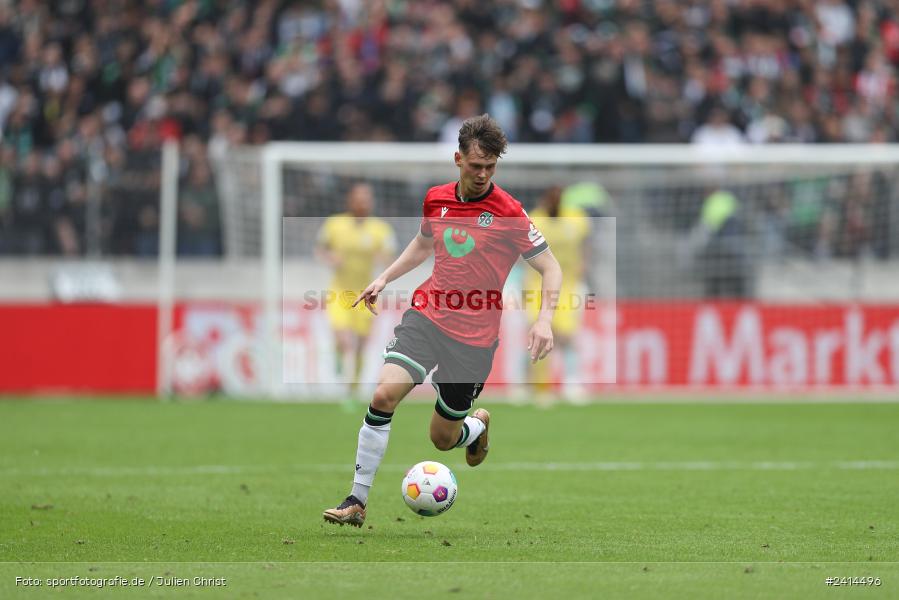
(676, 516)
(139, 481)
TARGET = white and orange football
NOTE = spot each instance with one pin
(429, 488)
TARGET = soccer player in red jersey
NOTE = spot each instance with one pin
(476, 231)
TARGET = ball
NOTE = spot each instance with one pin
(429, 488)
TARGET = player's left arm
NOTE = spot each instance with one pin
(540, 337)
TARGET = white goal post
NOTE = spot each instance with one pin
(655, 191)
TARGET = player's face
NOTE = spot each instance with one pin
(360, 201)
(475, 171)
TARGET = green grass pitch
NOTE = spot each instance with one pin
(746, 500)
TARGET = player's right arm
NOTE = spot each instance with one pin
(418, 250)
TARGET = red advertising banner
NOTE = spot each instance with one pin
(641, 345)
(759, 345)
(633, 345)
(60, 348)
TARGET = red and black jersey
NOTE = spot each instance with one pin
(476, 243)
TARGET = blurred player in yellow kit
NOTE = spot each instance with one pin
(566, 230)
(352, 243)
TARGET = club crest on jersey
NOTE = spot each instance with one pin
(457, 241)
(486, 219)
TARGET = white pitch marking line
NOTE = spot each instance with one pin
(162, 471)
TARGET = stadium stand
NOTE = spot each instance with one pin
(89, 88)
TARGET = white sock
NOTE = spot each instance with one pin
(471, 429)
(369, 453)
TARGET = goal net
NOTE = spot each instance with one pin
(763, 268)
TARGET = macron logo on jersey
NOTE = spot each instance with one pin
(443, 210)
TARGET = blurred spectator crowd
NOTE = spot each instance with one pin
(90, 88)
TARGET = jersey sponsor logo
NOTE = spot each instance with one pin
(485, 219)
(534, 236)
(443, 210)
(457, 241)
